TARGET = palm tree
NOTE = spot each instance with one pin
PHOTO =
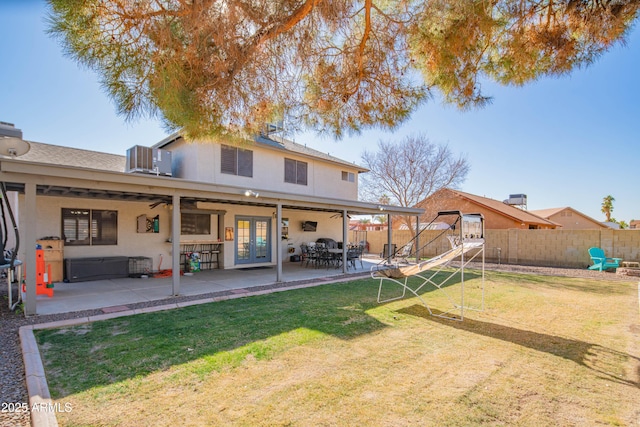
(607, 206)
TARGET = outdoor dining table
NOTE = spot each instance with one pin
(336, 253)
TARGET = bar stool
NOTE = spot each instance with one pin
(215, 253)
(205, 256)
(209, 255)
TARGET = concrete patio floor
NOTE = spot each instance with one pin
(105, 294)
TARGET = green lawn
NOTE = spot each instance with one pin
(546, 351)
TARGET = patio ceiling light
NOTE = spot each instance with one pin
(250, 193)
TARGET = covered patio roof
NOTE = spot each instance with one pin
(68, 181)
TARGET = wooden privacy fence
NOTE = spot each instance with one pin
(552, 248)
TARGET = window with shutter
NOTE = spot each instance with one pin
(290, 171)
(245, 162)
(195, 223)
(348, 176)
(229, 160)
(236, 161)
(86, 227)
(301, 173)
(295, 172)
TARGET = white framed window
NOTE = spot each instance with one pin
(191, 223)
(89, 227)
(295, 171)
(348, 176)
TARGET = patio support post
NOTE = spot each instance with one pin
(345, 228)
(29, 247)
(221, 239)
(418, 238)
(279, 242)
(175, 245)
(389, 237)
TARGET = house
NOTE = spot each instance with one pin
(634, 224)
(569, 219)
(250, 205)
(497, 214)
(360, 225)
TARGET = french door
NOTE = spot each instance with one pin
(253, 240)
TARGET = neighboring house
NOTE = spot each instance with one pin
(569, 219)
(634, 224)
(358, 225)
(254, 201)
(497, 214)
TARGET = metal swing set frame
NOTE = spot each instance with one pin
(468, 239)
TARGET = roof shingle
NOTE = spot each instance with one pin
(75, 157)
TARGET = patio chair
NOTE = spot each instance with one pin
(324, 257)
(600, 261)
(308, 256)
(405, 252)
(355, 254)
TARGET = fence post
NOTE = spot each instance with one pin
(512, 248)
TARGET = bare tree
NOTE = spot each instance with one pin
(226, 67)
(409, 171)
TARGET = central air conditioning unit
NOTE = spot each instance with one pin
(149, 160)
(517, 200)
(9, 129)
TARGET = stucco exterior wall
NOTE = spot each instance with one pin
(570, 220)
(201, 162)
(195, 161)
(328, 227)
(130, 242)
(157, 245)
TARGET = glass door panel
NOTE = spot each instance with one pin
(243, 240)
(262, 240)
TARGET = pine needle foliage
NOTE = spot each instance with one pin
(213, 68)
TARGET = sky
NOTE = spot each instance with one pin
(567, 141)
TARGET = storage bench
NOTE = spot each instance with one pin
(95, 268)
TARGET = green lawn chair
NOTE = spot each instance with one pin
(600, 261)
